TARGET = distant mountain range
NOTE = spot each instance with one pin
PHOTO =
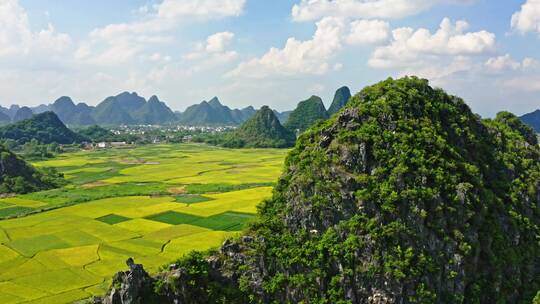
(125, 108)
(131, 109)
(214, 113)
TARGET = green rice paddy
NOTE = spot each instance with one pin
(153, 203)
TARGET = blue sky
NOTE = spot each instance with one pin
(256, 52)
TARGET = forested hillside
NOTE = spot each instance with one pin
(17, 176)
(306, 114)
(46, 128)
(263, 130)
(404, 196)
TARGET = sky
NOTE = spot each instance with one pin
(268, 52)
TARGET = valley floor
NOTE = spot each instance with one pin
(152, 203)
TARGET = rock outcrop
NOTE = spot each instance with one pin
(134, 286)
(404, 196)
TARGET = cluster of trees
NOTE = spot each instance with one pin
(46, 128)
(17, 176)
(33, 149)
(412, 198)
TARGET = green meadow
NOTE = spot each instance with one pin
(153, 203)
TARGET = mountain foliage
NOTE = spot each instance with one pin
(341, 97)
(4, 118)
(263, 130)
(22, 113)
(71, 114)
(405, 196)
(17, 176)
(306, 114)
(96, 133)
(11, 111)
(212, 112)
(282, 116)
(130, 108)
(154, 112)
(110, 112)
(533, 120)
(46, 128)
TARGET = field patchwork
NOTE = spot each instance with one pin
(153, 203)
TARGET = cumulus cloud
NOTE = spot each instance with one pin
(218, 42)
(214, 51)
(408, 46)
(365, 32)
(16, 36)
(201, 8)
(308, 10)
(520, 76)
(122, 42)
(501, 63)
(298, 57)
(527, 19)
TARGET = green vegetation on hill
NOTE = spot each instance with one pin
(405, 196)
(341, 98)
(46, 128)
(96, 133)
(533, 120)
(22, 113)
(110, 112)
(154, 112)
(306, 114)
(213, 113)
(69, 113)
(4, 118)
(17, 176)
(263, 130)
(129, 108)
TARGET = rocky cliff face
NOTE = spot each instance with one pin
(405, 196)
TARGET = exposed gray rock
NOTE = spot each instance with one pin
(129, 287)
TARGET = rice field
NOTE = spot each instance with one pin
(153, 203)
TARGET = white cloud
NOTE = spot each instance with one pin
(158, 57)
(308, 10)
(528, 18)
(502, 63)
(441, 72)
(520, 76)
(218, 42)
(213, 52)
(529, 63)
(298, 57)
(201, 8)
(365, 32)
(523, 83)
(17, 38)
(409, 46)
(506, 63)
(119, 43)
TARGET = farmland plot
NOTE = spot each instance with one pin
(153, 203)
